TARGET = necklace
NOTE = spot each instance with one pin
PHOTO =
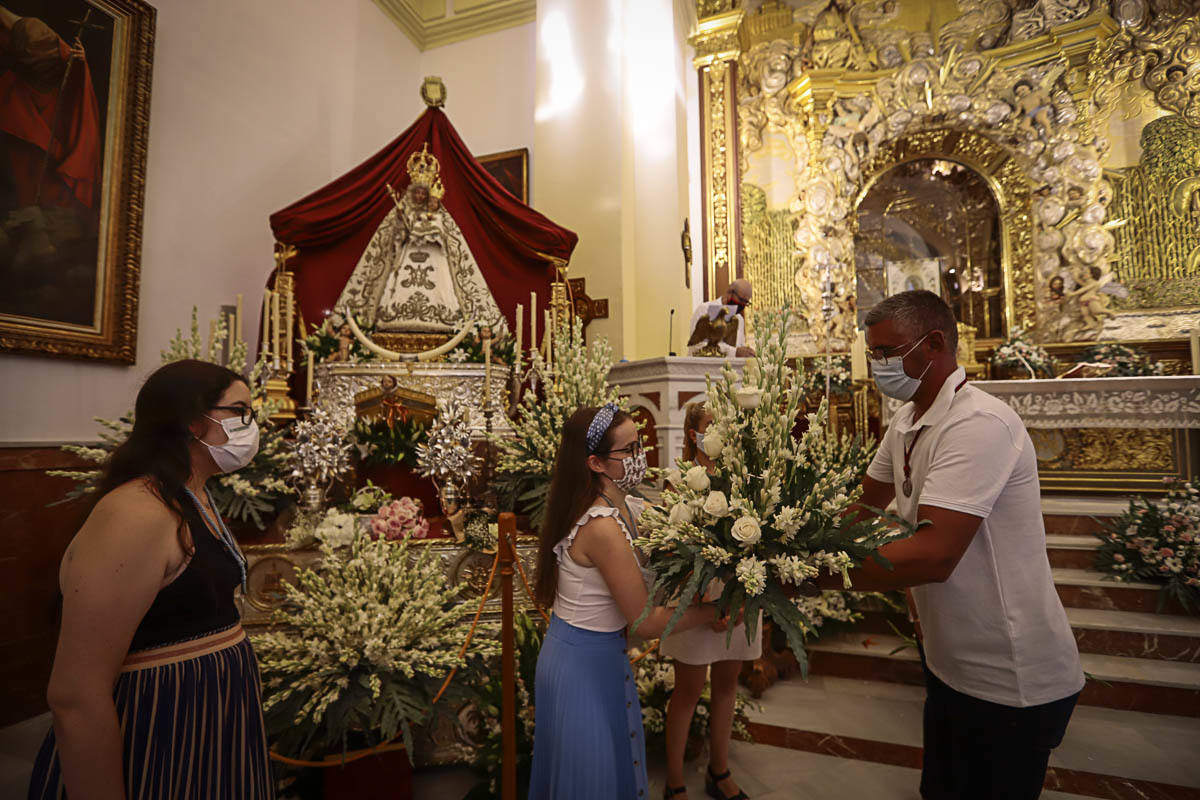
(907, 486)
(222, 532)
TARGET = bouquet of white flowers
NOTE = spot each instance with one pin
(771, 515)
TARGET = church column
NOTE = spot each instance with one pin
(717, 51)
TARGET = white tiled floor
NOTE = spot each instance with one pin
(1123, 743)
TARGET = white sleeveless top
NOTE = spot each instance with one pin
(583, 598)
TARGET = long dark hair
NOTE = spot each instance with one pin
(572, 490)
(171, 399)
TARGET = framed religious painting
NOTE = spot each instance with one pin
(74, 113)
(511, 168)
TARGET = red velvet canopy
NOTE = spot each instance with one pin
(332, 226)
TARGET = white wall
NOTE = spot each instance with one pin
(254, 105)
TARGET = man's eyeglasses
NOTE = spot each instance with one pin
(245, 412)
(882, 353)
(738, 300)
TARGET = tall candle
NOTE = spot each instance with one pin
(309, 379)
(487, 373)
(548, 339)
(517, 349)
(237, 323)
(264, 347)
(858, 357)
(287, 330)
(533, 340)
(275, 350)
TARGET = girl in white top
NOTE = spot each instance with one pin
(588, 742)
(693, 652)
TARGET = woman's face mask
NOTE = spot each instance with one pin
(241, 447)
(634, 471)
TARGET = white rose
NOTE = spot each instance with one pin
(715, 504)
(697, 479)
(748, 398)
(681, 514)
(746, 531)
(714, 443)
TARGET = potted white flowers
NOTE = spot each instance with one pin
(361, 645)
(1017, 359)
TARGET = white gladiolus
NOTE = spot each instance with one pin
(746, 530)
(697, 479)
(716, 504)
(751, 373)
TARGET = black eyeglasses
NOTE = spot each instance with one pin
(634, 450)
(245, 412)
(881, 355)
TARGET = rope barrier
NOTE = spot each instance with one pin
(333, 761)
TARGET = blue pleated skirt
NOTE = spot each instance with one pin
(588, 742)
(191, 720)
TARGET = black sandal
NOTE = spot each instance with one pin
(711, 779)
(669, 791)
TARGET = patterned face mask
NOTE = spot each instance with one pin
(635, 472)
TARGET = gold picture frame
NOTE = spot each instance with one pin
(511, 168)
(71, 270)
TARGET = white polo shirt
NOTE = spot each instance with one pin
(996, 629)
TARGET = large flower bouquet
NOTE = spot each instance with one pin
(771, 515)
(1126, 361)
(360, 647)
(840, 379)
(1158, 543)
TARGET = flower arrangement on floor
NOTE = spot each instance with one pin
(252, 494)
(396, 443)
(840, 379)
(360, 647)
(1014, 353)
(578, 377)
(488, 698)
(655, 679)
(399, 519)
(771, 515)
(1127, 361)
(1157, 542)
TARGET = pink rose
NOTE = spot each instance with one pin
(421, 531)
(1168, 528)
(1166, 552)
(378, 528)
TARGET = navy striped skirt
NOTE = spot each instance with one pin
(191, 719)
(587, 738)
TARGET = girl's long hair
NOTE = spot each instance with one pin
(157, 450)
(573, 488)
(694, 414)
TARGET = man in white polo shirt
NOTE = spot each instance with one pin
(1002, 667)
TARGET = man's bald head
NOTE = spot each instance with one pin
(742, 288)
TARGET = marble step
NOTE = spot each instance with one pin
(1163, 637)
(1083, 588)
(1135, 684)
(1071, 551)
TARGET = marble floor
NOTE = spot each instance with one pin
(852, 739)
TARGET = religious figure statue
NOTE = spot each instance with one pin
(1093, 302)
(1034, 105)
(417, 274)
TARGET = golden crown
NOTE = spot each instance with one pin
(423, 171)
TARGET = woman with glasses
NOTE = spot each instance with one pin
(155, 689)
(696, 654)
(589, 743)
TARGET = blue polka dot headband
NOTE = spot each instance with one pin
(600, 425)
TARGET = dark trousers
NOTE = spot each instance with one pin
(976, 750)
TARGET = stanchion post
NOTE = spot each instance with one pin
(508, 681)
